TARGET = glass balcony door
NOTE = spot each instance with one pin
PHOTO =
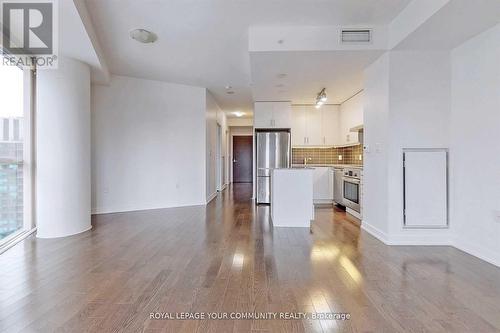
(15, 152)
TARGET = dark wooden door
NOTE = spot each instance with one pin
(242, 159)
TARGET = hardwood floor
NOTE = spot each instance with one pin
(227, 258)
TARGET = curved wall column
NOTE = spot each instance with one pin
(63, 150)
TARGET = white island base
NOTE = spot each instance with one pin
(292, 197)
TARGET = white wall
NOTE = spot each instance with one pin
(375, 177)
(214, 116)
(211, 137)
(63, 150)
(420, 99)
(411, 18)
(148, 145)
(407, 105)
(419, 112)
(475, 148)
(240, 122)
(222, 121)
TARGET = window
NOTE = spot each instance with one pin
(15, 152)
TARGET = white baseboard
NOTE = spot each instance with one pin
(478, 251)
(353, 213)
(410, 237)
(442, 240)
(63, 236)
(113, 210)
(211, 196)
(375, 232)
(16, 240)
(323, 202)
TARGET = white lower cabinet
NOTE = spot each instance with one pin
(323, 179)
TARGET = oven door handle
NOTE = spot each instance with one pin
(352, 180)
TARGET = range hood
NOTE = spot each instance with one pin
(356, 128)
(360, 130)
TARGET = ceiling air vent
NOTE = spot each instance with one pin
(356, 36)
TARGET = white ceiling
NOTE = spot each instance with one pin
(205, 43)
(74, 39)
(340, 72)
(455, 22)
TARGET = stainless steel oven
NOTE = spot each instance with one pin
(352, 189)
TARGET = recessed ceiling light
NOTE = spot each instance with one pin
(281, 76)
(143, 36)
(228, 87)
(239, 113)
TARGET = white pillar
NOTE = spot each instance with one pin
(63, 150)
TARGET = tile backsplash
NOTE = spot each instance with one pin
(349, 155)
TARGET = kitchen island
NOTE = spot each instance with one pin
(292, 197)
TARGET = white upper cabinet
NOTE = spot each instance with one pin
(314, 135)
(351, 115)
(263, 115)
(299, 124)
(282, 114)
(272, 115)
(330, 125)
(313, 127)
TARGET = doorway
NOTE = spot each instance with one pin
(242, 159)
(219, 160)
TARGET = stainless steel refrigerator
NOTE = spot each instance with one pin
(273, 151)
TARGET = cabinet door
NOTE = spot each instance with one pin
(282, 114)
(330, 125)
(351, 115)
(314, 137)
(263, 115)
(298, 126)
(331, 183)
(323, 184)
(351, 138)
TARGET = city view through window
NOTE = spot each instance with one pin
(11, 150)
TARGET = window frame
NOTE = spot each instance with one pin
(29, 159)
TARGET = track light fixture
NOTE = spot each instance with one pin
(321, 98)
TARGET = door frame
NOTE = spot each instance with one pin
(29, 160)
(249, 134)
(219, 164)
